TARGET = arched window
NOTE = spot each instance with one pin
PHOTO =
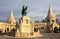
(52, 20)
(31, 34)
(27, 21)
(7, 29)
(42, 28)
(36, 29)
(0, 31)
(55, 29)
(48, 20)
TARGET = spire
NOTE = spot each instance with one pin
(11, 15)
(50, 13)
(11, 18)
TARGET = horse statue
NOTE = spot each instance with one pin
(24, 11)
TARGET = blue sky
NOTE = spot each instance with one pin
(37, 9)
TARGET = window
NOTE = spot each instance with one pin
(48, 20)
(20, 34)
(36, 29)
(31, 33)
(27, 21)
(7, 29)
(42, 28)
(52, 20)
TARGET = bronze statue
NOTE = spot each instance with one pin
(24, 9)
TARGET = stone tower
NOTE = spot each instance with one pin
(51, 21)
(25, 24)
(50, 17)
(11, 19)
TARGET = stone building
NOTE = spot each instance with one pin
(51, 21)
(9, 25)
(29, 28)
(26, 28)
(50, 25)
(41, 27)
(4, 27)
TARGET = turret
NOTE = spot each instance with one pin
(50, 17)
(11, 19)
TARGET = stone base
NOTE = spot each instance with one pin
(28, 35)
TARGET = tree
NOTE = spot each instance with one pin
(24, 9)
(43, 20)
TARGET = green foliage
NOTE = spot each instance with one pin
(58, 15)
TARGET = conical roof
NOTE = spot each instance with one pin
(50, 13)
(11, 17)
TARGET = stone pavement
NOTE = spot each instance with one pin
(45, 36)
